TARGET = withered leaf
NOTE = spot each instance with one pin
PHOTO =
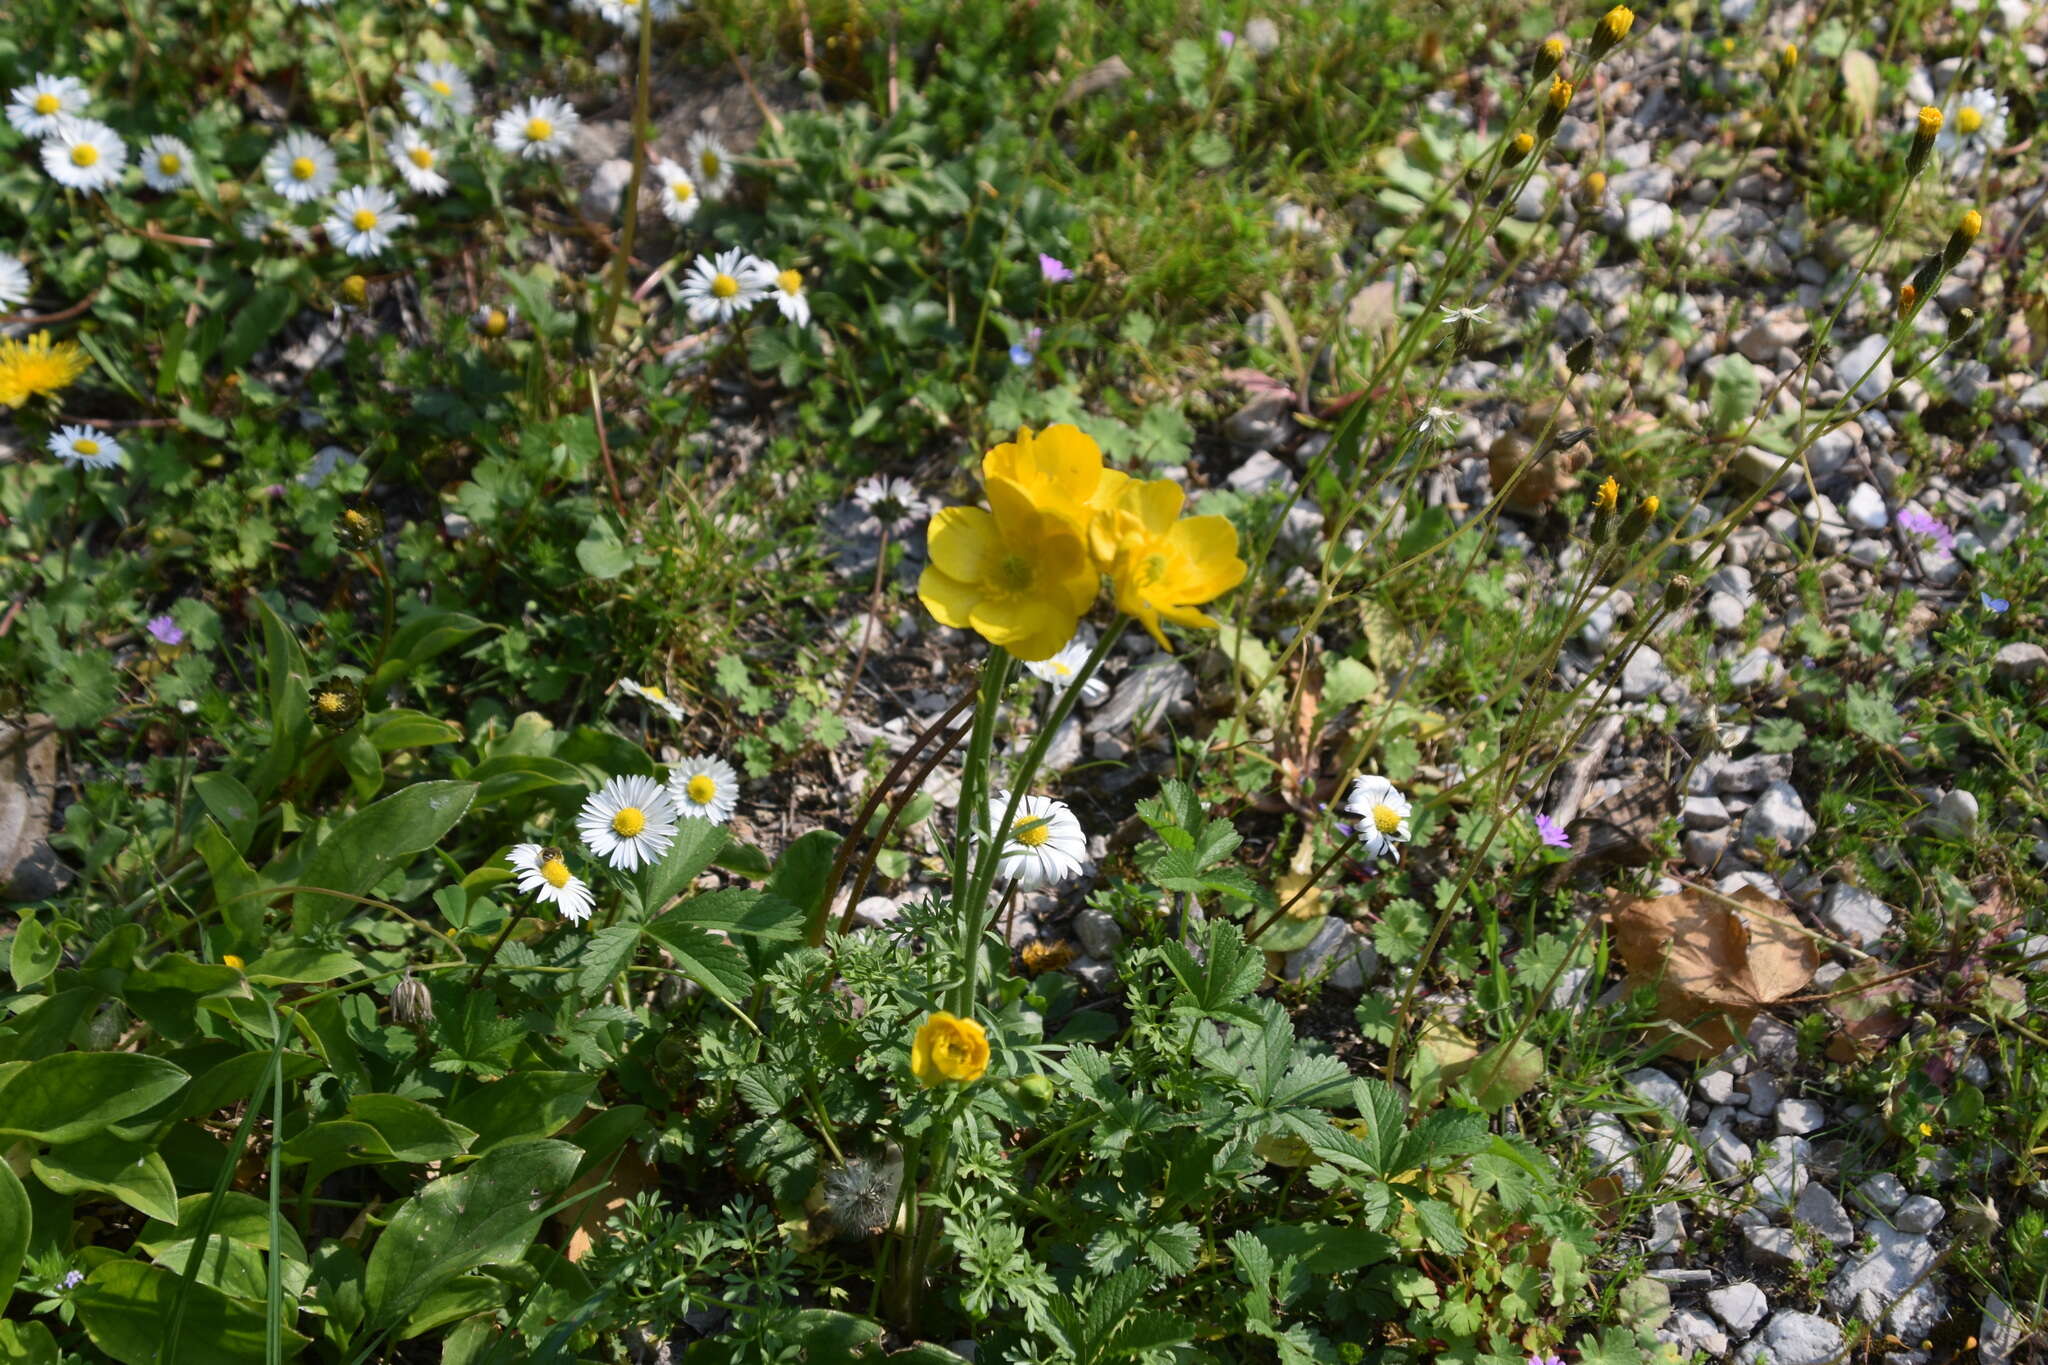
(1715, 966)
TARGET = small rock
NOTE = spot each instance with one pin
(2019, 661)
(29, 867)
(1726, 612)
(1659, 1090)
(1644, 675)
(1691, 1330)
(1646, 220)
(1610, 1147)
(1756, 668)
(1705, 812)
(1740, 1306)
(1772, 1248)
(1881, 1193)
(1774, 1044)
(1953, 817)
(1865, 508)
(1800, 1116)
(1867, 365)
(1854, 914)
(606, 190)
(1919, 1214)
(1260, 472)
(1667, 1231)
(1895, 1274)
(1778, 816)
(1348, 957)
(1262, 423)
(1143, 698)
(877, 912)
(1726, 1153)
(1763, 1093)
(1716, 1086)
(1099, 933)
(1097, 975)
(1781, 1173)
(1791, 1338)
(2000, 1333)
(1752, 773)
(1824, 1213)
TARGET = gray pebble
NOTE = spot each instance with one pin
(1740, 1306)
(1772, 1248)
(1919, 1214)
(1824, 1213)
(1800, 1116)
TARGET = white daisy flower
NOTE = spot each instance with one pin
(628, 821)
(786, 287)
(85, 446)
(891, 503)
(36, 109)
(1046, 844)
(535, 129)
(1436, 424)
(712, 165)
(1976, 123)
(437, 95)
(299, 167)
(679, 197)
(1382, 815)
(1062, 668)
(166, 163)
(84, 154)
(493, 322)
(418, 162)
(625, 14)
(720, 288)
(544, 876)
(363, 219)
(705, 787)
(14, 284)
(653, 696)
(1464, 315)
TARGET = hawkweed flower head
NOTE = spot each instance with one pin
(31, 368)
(1045, 844)
(1560, 96)
(1788, 62)
(1612, 28)
(166, 163)
(1909, 297)
(411, 1003)
(1606, 498)
(335, 703)
(891, 505)
(15, 285)
(704, 788)
(1519, 147)
(1549, 56)
(84, 154)
(711, 164)
(1639, 520)
(949, 1050)
(1967, 229)
(85, 447)
(1382, 813)
(1925, 130)
(37, 108)
(1594, 187)
(679, 197)
(628, 821)
(360, 525)
(545, 875)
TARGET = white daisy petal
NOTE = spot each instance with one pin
(1045, 844)
(536, 129)
(437, 95)
(889, 502)
(39, 108)
(628, 821)
(299, 167)
(363, 219)
(711, 164)
(418, 162)
(720, 288)
(85, 446)
(654, 697)
(1382, 814)
(166, 163)
(705, 787)
(543, 874)
(85, 155)
(15, 285)
(679, 196)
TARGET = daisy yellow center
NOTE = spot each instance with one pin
(422, 157)
(629, 822)
(85, 154)
(702, 789)
(555, 872)
(655, 692)
(47, 104)
(1385, 818)
(1033, 833)
(331, 702)
(495, 322)
(709, 161)
(1062, 669)
(442, 88)
(169, 163)
(539, 130)
(86, 445)
(790, 281)
(302, 168)
(364, 220)
(355, 519)
(1969, 119)
(724, 286)
(682, 190)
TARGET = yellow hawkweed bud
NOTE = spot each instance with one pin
(1560, 94)
(1924, 134)
(1788, 56)
(1960, 240)
(1638, 520)
(230, 960)
(1548, 56)
(1519, 148)
(1908, 296)
(1595, 185)
(1607, 496)
(1614, 26)
(1972, 224)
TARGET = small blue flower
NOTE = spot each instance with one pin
(73, 1279)
(1022, 353)
(1997, 606)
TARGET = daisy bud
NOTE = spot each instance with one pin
(1924, 134)
(1676, 592)
(1637, 521)
(355, 291)
(1548, 56)
(410, 1002)
(1518, 149)
(336, 703)
(1579, 358)
(1960, 240)
(1614, 26)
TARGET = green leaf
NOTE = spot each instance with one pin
(233, 881)
(523, 1105)
(605, 955)
(355, 856)
(1439, 1223)
(422, 637)
(241, 1218)
(504, 776)
(301, 966)
(25, 1343)
(124, 1305)
(132, 1174)
(231, 803)
(601, 553)
(801, 871)
(485, 1215)
(736, 910)
(76, 1094)
(403, 729)
(255, 322)
(34, 952)
(696, 844)
(712, 963)
(15, 1217)
(1736, 392)
(1228, 971)
(284, 666)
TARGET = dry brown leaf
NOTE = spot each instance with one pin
(1714, 966)
(585, 1219)
(1865, 1004)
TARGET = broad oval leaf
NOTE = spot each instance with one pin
(76, 1094)
(355, 856)
(125, 1305)
(15, 1216)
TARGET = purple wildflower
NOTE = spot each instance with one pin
(1914, 521)
(165, 630)
(1551, 832)
(1225, 39)
(1053, 269)
(73, 1279)
(1546, 1360)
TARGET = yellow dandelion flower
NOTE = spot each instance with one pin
(33, 367)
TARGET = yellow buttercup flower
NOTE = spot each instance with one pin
(32, 367)
(1163, 564)
(949, 1048)
(1016, 573)
(230, 960)
(1060, 470)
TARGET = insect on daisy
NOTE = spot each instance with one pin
(1062, 668)
(786, 287)
(720, 288)
(1045, 844)
(84, 154)
(166, 163)
(712, 163)
(891, 504)
(363, 219)
(437, 95)
(1382, 814)
(679, 197)
(85, 447)
(37, 366)
(546, 877)
(36, 109)
(705, 787)
(628, 821)
(653, 696)
(299, 167)
(14, 284)
(418, 163)
(536, 129)
(493, 322)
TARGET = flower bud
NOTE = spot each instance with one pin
(1960, 241)
(1614, 26)
(1548, 56)
(410, 1002)
(358, 526)
(1638, 520)
(1579, 358)
(1033, 1092)
(1960, 322)
(336, 703)
(1676, 592)
(1908, 296)
(1593, 188)
(355, 291)
(1924, 133)
(1518, 149)
(1560, 94)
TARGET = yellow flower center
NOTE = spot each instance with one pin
(47, 104)
(1385, 818)
(302, 168)
(709, 161)
(1013, 572)
(790, 282)
(364, 220)
(555, 872)
(333, 703)
(85, 154)
(1032, 833)
(169, 163)
(355, 519)
(1062, 669)
(422, 157)
(1969, 119)
(724, 286)
(86, 445)
(655, 692)
(232, 961)
(702, 789)
(682, 190)
(539, 130)
(496, 323)
(441, 88)
(1151, 569)
(629, 822)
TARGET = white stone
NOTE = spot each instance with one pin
(1919, 1214)
(1791, 1338)
(1659, 1090)
(1824, 1213)
(1867, 361)
(1741, 1306)
(1778, 816)
(1853, 914)
(1800, 1116)
(1348, 957)
(1865, 508)
(1099, 932)
(1646, 220)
